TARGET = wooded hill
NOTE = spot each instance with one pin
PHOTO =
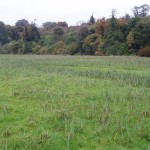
(106, 36)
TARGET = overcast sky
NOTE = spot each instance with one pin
(71, 11)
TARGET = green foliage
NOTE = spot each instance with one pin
(47, 40)
(59, 48)
(130, 39)
(15, 47)
(130, 42)
(74, 102)
(132, 22)
(117, 48)
(3, 33)
(27, 47)
(70, 37)
(141, 33)
(36, 48)
(31, 33)
(112, 38)
(106, 36)
(15, 32)
(82, 34)
(58, 33)
(72, 48)
(92, 43)
(42, 51)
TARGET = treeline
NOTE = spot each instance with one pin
(113, 36)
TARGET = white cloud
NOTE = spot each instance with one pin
(65, 10)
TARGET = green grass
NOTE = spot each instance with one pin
(74, 103)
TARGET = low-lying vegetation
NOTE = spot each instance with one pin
(74, 102)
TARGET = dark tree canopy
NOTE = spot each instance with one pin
(22, 22)
(58, 32)
(3, 33)
(48, 25)
(62, 24)
(92, 20)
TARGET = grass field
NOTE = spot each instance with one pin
(74, 103)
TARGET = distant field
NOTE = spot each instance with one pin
(74, 103)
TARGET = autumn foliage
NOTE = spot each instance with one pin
(144, 52)
(104, 36)
(100, 26)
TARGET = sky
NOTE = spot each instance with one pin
(71, 11)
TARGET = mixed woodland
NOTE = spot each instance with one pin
(126, 35)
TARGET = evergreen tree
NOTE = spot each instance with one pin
(114, 39)
(3, 33)
(92, 20)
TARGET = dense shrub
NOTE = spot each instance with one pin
(72, 48)
(59, 48)
(15, 47)
(42, 51)
(36, 48)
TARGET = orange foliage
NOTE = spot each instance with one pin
(144, 51)
(100, 26)
(122, 22)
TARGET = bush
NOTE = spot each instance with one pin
(36, 48)
(59, 48)
(42, 51)
(14, 47)
(72, 48)
(144, 51)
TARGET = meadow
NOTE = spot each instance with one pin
(74, 102)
